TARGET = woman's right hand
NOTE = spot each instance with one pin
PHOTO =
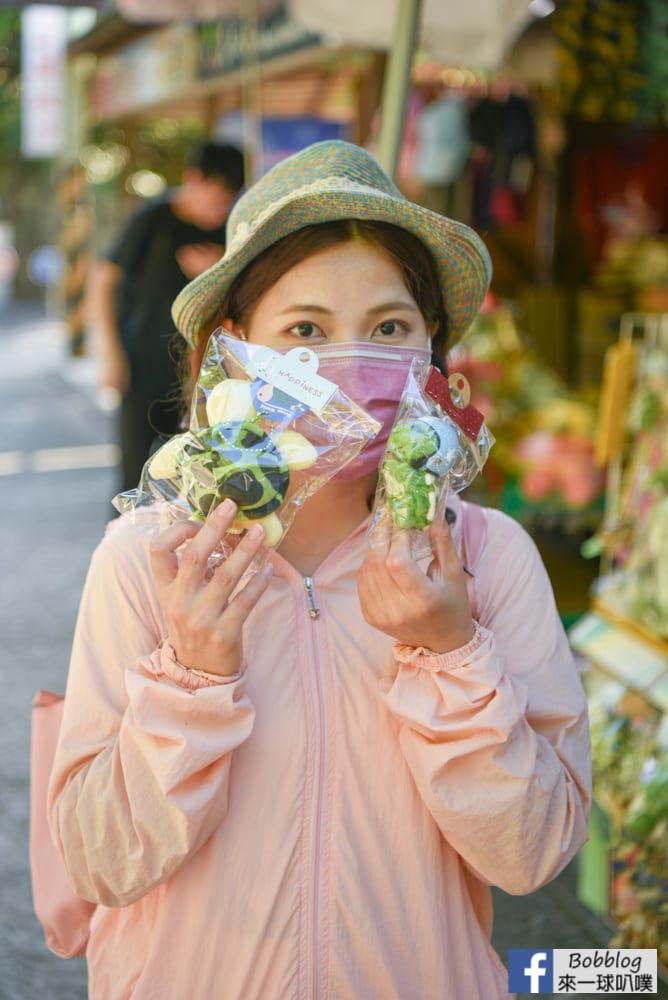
(204, 621)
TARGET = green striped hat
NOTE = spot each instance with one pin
(327, 181)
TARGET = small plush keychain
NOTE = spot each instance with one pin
(236, 457)
(266, 430)
(438, 443)
(420, 451)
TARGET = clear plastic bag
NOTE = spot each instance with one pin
(438, 444)
(265, 429)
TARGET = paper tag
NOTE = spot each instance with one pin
(440, 389)
(295, 373)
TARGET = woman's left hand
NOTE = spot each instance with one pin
(417, 607)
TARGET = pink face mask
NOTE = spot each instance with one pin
(374, 376)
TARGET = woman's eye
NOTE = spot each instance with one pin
(389, 328)
(305, 330)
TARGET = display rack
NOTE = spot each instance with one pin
(622, 642)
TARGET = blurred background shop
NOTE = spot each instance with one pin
(544, 129)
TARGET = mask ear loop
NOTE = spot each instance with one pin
(234, 329)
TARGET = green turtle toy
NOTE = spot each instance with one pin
(420, 452)
(235, 457)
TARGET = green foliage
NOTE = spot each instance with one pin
(10, 81)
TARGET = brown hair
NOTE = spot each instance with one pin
(406, 250)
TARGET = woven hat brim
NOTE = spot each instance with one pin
(462, 260)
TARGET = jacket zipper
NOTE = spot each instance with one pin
(313, 609)
(317, 804)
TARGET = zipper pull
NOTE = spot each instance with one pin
(313, 609)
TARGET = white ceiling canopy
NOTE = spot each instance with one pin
(473, 32)
(478, 33)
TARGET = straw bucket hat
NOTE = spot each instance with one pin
(321, 183)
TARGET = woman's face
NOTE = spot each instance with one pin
(348, 292)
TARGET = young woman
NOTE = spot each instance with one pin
(301, 782)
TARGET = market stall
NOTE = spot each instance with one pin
(542, 469)
(623, 642)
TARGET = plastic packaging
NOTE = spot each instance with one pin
(265, 429)
(438, 444)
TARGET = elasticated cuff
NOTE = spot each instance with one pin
(427, 659)
(189, 678)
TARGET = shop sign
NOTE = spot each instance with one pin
(281, 137)
(43, 44)
(152, 69)
(223, 43)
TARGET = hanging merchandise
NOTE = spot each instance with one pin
(623, 868)
(503, 134)
(623, 871)
(636, 536)
(638, 266)
(443, 139)
(654, 58)
(409, 149)
(621, 190)
(613, 59)
(640, 879)
(630, 781)
(600, 72)
(542, 469)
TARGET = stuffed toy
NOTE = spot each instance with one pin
(240, 455)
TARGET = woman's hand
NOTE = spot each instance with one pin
(204, 622)
(415, 607)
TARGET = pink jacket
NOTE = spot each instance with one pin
(327, 823)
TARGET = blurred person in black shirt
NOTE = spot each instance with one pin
(164, 245)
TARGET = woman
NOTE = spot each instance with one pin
(302, 782)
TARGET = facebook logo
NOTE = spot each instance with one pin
(530, 971)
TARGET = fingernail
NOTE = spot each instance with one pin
(227, 505)
(256, 531)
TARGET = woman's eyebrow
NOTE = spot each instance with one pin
(304, 307)
(382, 307)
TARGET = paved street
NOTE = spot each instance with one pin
(50, 522)
(56, 478)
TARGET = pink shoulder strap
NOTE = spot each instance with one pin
(474, 534)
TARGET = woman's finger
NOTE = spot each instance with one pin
(230, 571)
(196, 554)
(162, 550)
(372, 574)
(382, 538)
(246, 598)
(445, 555)
(401, 566)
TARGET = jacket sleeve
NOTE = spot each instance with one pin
(496, 733)
(140, 778)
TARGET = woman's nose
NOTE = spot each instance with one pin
(349, 334)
